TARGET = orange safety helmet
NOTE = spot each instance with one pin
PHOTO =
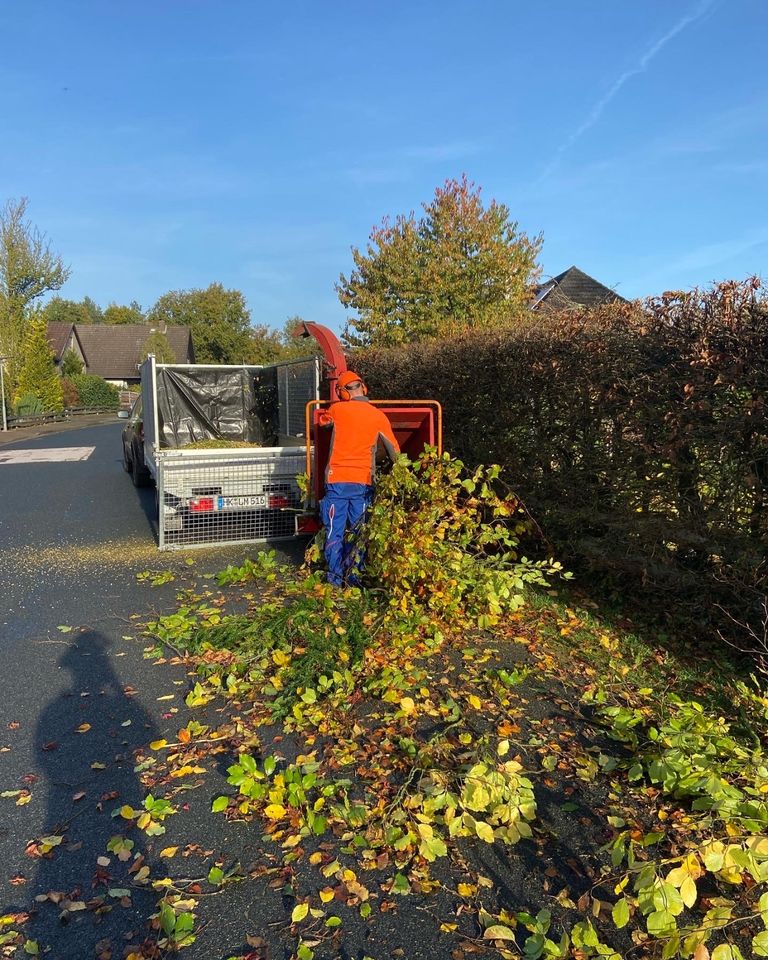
(344, 381)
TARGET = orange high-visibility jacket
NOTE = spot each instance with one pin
(358, 428)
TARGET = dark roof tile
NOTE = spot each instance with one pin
(114, 351)
(573, 288)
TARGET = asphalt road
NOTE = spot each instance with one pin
(75, 688)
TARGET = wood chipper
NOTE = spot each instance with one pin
(416, 423)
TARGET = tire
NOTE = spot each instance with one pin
(127, 464)
(140, 475)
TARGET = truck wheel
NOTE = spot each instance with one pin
(140, 477)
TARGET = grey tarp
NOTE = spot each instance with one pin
(206, 403)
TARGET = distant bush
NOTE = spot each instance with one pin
(27, 404)
(95, 392)
(69, 392)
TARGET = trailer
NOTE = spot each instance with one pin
(209, 492)
(252, 491)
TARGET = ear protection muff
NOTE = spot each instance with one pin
(343, 394)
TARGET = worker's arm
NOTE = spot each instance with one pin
(388, 440)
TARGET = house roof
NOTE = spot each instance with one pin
(58, 337)
(573, 288)
(114, 351)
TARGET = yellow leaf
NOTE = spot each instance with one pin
(475, 701)
(316, 858)
(127, 812)
(98, 766)
(144, 821)
(279, 658)
(168, 852)
(467, 889)
(407, 705)
(299, 912)
(158, 744)
(688, 892)
(83, 728)
(503, 748)
(274, 811)
(448, 927)
(327, 894)
(186, 770)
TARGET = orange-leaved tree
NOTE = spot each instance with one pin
(460, 265)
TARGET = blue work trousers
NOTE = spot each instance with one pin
(343, 510)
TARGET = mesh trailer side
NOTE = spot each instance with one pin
(213, 497)
(298, 382)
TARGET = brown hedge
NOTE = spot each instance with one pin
(636, 433)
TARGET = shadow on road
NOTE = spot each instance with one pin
(86, 744)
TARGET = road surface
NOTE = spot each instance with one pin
(77, 694)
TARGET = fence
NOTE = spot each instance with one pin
(215, 497)
(33, 419)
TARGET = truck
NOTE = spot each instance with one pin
(236, 452)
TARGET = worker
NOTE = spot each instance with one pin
(360, 432)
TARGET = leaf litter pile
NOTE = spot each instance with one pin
(449, 763)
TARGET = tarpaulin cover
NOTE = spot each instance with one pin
(208, 403)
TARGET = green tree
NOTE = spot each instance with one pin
(28, 269)
(117, 314)
(37, 376)
(219, 320)
(157, 343)
(92, 310)
(71, 364)
(459, 265)
(60, 310)
(266, 346)
(272, 346)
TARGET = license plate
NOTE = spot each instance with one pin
(251, 502)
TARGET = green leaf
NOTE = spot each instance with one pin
(167, 919)
(333, 922)
(400, 885)
(216, 876)
(219, 804)
(661, 923)
(31, 948)
(727, 951)
(620, 913)
(304, 953)
(760, 944)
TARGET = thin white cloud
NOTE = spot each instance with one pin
(704, 7)
(682, 272)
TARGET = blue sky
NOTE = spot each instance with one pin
(169, 144)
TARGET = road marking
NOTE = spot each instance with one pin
(49, 455)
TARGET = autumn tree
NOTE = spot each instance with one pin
(37, 375)
(219, 320)
(28, 269)
(460, 265)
